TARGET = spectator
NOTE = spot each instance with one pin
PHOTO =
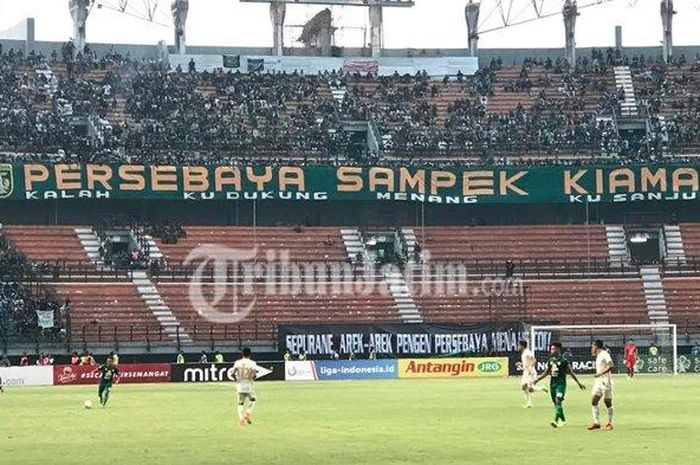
(510, 269)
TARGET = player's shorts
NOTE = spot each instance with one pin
(104, 385)
(630, 362)
(528, 379)
(246, 396)
(602, 388)
(557, 391)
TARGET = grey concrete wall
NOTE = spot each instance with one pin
(509, 56)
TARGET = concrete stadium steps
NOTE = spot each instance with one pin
(91, 244)
(690, 235)
(673, 242)
(623, 78)
(515, 242)
(599, 301)
(685, 81)
(506, 101)
(109, 311)
(403, 298)
(467, 302)
(617, 244)
(682, 297)
(309, 244)
(158, 307)
(372, 93)
(154, 252)
(654, 294)
(265, 309)
(354, 245)
(49, 243)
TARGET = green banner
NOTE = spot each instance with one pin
(540, 184)
(663, 363)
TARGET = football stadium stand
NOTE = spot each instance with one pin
(136, 288)
(537, 109)
(553, 279)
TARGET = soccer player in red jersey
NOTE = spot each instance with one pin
(631, 353)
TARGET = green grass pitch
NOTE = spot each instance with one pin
(356, 422)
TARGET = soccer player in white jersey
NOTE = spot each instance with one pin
(244, 371)
(527, 380)
(602, 387)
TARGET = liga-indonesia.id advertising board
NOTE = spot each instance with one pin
(320, 370)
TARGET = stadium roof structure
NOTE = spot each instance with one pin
(365, 3)
(278, 9)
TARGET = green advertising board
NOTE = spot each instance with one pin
(470, 185)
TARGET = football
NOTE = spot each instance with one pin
(87, 404)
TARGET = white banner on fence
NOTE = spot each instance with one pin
(300, 371)
(45, 318)
(27, 376)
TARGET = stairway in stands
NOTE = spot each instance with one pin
(91, 244)
(161, 311)
(338, 92)
(409, 236)
(154, 252)
(617, 245)
(352, 239)
(623, 78)
(656, 300)
(675, 252)
(403, 300)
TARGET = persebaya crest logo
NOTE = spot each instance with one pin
(6, 181)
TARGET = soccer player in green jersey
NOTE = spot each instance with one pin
(108, 374)
(557, 368)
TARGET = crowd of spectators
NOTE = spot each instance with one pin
(142, 111)
(21, 297)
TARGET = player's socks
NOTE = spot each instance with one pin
(560, 413)
(611, 413)
(528, 399)
(596, 414)
(249, 411)
(241, 413)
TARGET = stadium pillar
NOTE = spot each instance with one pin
(79, 13)
(667, 22)
(375, 29)
(30, 41)
(618, 37)
(277, 12)
(471, 14)
(570, 12)
(179, 9)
